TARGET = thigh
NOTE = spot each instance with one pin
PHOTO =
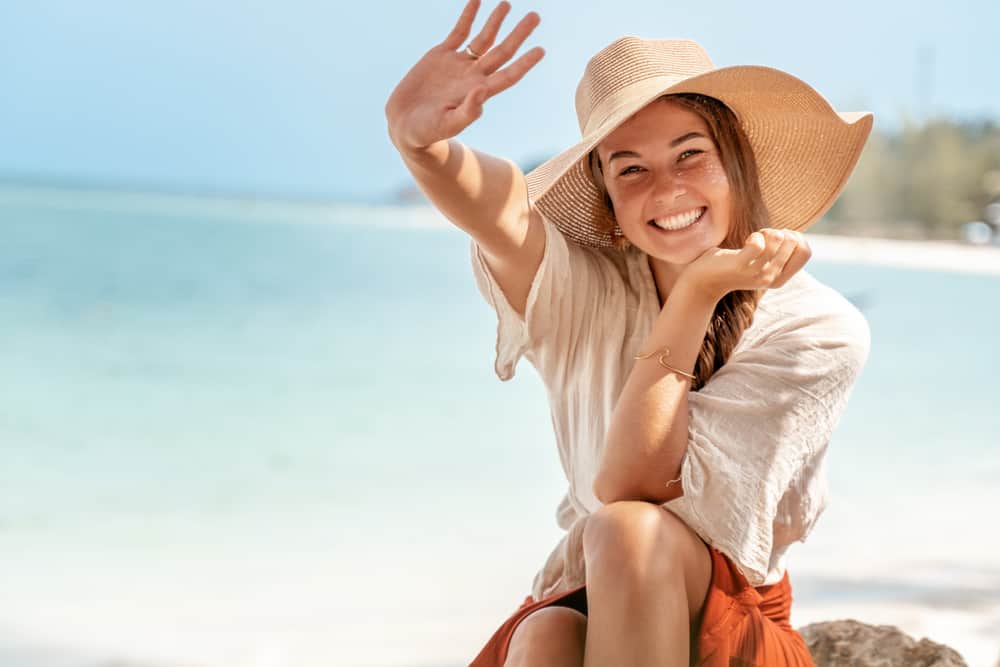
(549, 636)
(696, 558)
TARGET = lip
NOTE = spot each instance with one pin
(704, 210)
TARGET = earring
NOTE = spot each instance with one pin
(619, 239)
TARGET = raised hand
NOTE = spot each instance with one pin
(768, 259)
(444, 92)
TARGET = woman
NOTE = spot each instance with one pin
(652, 274)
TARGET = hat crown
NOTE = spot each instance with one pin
(630, 60)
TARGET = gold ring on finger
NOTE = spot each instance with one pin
(472, 54)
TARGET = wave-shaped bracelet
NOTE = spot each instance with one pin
(664, 353)
(673, 481)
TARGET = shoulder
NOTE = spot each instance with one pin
(585, 266)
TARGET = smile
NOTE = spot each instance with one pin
(679, 222)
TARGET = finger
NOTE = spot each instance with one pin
(508, 47)
(753, 247)
(460, 32)
(774, 238)
(783, 252)
(482, 42)
(508, 76)
(801, 252)
(469, 110)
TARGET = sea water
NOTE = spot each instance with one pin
(262, 438)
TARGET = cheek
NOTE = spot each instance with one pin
(713, 183)
(621, 199)
(714, 186)
(713, 175)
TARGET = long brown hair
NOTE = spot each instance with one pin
(735, 311)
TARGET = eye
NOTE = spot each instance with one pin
(626, 170)
(692, 151)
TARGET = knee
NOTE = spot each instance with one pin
(549, 636)
(630, 533)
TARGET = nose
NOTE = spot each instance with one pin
(668, 186)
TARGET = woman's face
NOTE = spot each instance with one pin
(662, 165)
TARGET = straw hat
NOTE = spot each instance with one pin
(804, 149)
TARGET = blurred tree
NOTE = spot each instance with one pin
(926, 180)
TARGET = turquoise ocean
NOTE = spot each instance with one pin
(248, 436)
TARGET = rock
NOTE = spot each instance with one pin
(848, 643)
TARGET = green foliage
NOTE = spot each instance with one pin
(930, 178)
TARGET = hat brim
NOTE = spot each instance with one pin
(804, 149)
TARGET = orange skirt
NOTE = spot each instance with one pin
(739, 626)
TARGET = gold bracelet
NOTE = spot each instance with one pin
(664, 353)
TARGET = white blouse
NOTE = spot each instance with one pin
(753, 471)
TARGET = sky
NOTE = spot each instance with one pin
(287, 99)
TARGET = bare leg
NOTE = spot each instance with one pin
(647, 577)
(549, 637)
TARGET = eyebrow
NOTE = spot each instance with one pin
(676, 142)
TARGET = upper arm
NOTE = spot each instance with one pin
(514, 249)
(545, 290)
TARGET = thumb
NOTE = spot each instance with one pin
(472, 106)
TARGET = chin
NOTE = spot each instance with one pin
(682, 256)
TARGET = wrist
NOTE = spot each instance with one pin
(697, 291)
(408, 150)
(435, 154)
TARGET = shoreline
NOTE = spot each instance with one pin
(910, 254)
(939, 255)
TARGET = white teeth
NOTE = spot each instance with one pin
(679, 221)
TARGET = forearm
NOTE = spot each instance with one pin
(648, 433)
(471, 188)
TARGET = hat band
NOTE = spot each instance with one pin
(629, 99)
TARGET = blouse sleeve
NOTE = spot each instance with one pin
(561, 301)
(759, 419)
